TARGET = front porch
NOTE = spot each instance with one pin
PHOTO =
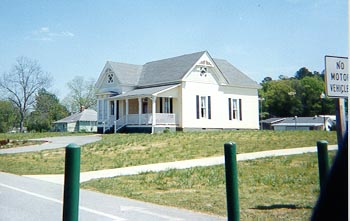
(153, 110)
(151, 113)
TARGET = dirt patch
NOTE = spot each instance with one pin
(5, 144)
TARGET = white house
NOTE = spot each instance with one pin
(188, 92)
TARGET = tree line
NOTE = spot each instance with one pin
(301, 95)
(27, 102)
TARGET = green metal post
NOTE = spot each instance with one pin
(231, 182)
(323, 163)
(71, 183)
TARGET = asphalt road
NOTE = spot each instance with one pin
(23, 198)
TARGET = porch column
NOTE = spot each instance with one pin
(153, 112)
(126, 110)
(140, 109)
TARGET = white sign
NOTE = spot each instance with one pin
(337, 76)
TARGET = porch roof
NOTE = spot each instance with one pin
(145, 92)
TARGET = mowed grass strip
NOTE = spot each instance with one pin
(277, 188)
(123, 150)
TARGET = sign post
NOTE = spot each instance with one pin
(337, 86)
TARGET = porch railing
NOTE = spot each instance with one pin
(145, 119)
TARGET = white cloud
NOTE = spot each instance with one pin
(45, 34)
(67, 34)
(44, 30)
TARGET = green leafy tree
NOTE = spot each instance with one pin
(299, 96)
(8, 116)
(47, 109)
(313, 87)
(281, 98)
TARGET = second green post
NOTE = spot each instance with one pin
(231, 182)
(323, 163)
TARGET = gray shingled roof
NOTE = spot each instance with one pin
(273, 120)
(172, 70)
(168, 70)
(127, 74)
(233, 75)
(86, 115)
(302, 121)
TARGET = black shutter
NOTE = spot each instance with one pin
(197, 105)
(229, 109)
(209, 108)
(171, 105)
(240, 109)
(117, 110)
(160, 105)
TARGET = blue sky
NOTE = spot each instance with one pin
(261, 38)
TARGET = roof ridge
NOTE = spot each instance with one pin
(179, 56)
(118, 62)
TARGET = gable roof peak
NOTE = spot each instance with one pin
(168, 70)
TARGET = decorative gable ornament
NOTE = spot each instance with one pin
(206, 63)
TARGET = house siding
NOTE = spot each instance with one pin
(219, 107)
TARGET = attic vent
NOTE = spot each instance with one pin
(110, 76)
(203, 71)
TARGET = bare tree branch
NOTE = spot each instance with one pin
(22, 83)
(82, 93)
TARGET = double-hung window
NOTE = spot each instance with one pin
(234, 109)
(166, 105)
(203, 107)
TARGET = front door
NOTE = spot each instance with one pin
(144, 105)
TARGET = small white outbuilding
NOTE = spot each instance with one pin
(85, 121)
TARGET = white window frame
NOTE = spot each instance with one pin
(235, 109)
(203, 107)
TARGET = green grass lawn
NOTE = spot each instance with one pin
(277, 188)
(122, 150)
